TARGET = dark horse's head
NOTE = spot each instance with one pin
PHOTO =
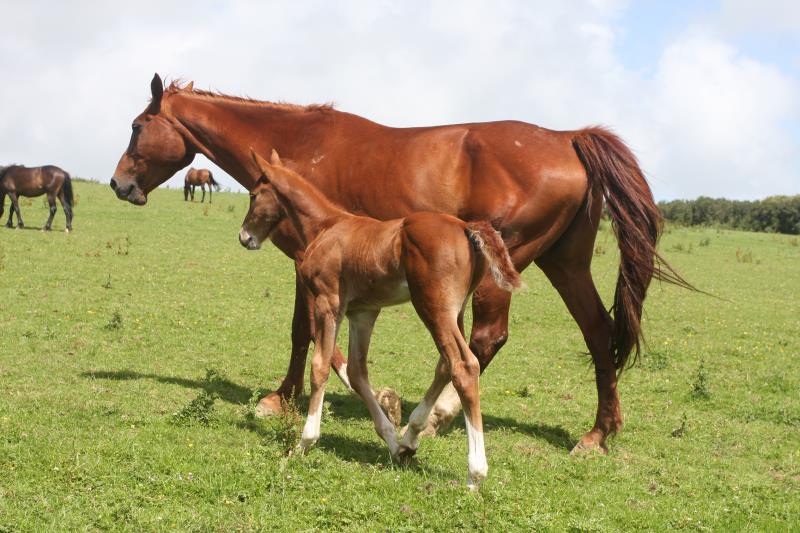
(156, 152)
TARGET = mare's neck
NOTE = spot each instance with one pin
(225, 129)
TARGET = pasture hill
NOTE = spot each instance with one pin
(135, 347)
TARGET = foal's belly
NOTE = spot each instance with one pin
(378, 297)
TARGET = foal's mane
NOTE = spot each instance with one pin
(182, 87)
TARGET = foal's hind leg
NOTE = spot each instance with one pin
(361, 324)
(51, 201)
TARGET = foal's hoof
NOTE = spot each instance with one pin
(391, 405)
(405, 454)
(269, 405)
(68, 230)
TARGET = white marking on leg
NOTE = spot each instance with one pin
(416, 423)
(342, 373)
(311, 429)
(476, 456)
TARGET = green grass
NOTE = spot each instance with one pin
(133, 348)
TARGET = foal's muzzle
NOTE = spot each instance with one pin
(248, 241)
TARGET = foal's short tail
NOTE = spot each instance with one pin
(212, 182)
(637, 223)
(67, 188)
(488, 241)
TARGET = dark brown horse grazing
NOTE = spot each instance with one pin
(543, 190)
(355, 265)
(201, 177)
(17, 180)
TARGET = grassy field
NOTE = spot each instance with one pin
(116, 340)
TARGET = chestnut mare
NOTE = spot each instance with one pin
(17, 180)
(543, 190)
(355, 265)
(201, 177)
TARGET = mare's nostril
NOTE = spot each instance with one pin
(113, 184)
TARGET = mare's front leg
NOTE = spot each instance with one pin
(361, 325)
(327, 319)
(292, 385)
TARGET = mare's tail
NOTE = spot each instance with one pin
(491, 245)
(67, 188)
(212, 182)
(637, 224)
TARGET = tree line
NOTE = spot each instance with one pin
(775, 214)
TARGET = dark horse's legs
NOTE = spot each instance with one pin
(14, 209)
(203, 188)
(2, 203)
(67, 209)
(51, 201)
(209, 193)
(185, 193)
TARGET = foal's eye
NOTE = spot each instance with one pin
(135, 126)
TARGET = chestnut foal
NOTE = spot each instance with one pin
(355, 265)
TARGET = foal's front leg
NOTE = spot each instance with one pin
(327, 326)
(361, 324)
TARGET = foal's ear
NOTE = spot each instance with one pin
(189, 87)
(260, 162)
(275, 159)
(157, 90)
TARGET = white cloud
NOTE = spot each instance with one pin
(709, 121)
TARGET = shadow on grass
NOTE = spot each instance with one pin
(343, 405)
(226, 389)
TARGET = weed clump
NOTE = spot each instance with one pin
(680, 431)
(201, 409)
(115, 322)
(700, 389)
(705, 242)
(283, 429)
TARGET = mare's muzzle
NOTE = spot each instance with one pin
(248, 241)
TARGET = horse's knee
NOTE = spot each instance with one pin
(485, 342)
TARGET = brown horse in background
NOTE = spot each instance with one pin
(201, 177)
(354, 266)
(17, 180)
(543, 190)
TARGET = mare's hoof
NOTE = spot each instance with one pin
(391, 405)
(269, 405)
(587, 446)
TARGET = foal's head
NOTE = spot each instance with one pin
(265, 210)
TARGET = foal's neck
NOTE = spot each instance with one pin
(308, 209)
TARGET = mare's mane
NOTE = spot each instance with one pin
(184, 88)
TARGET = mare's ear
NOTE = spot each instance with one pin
(275, 159)
(157, 90)
(189, 87)
(261, 163)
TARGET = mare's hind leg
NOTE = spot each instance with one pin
(361, 324)
(568, 267)
(577, 289)
(51, 201)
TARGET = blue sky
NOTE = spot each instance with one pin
(704, 91)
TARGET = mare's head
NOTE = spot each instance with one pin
(156, 151)
(265, 210)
